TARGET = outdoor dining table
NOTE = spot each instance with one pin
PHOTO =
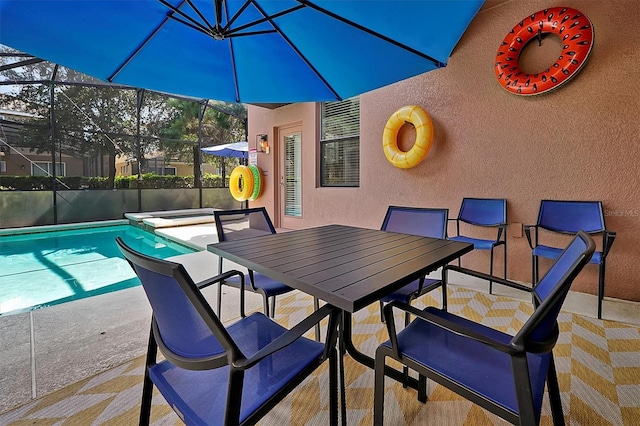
(345, 266)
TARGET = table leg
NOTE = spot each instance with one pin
(342, 352)
(346, 340)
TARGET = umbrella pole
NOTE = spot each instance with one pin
(197, 163)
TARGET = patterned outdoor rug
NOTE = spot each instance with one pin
(598, 365)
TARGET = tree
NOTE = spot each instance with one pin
(94, 120)
(222, 123)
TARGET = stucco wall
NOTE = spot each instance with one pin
(578, 142)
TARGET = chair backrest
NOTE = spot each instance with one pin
(233, 225)
(483, 211)
(540, 329)
(570, 217)
(187, 331)
(416, 221)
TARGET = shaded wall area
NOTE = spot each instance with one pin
(579, 142)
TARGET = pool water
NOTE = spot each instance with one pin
(48, 268)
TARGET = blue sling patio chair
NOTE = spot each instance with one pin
(488, 213)
(425, 222)
(215, 375)
(502, 373)
(237, 224)
(569, 217)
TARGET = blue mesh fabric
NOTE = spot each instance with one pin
(183, 330)
(405, 293)
(485, 212)
(422, 222)
(571, 216)
(192, 395)
(554, 252)
(270, 286)
(478, 243)
(467, 361)
(550, 281)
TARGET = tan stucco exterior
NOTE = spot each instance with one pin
(581, 142)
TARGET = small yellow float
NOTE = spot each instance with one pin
(424, 137)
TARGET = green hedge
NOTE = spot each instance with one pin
(42, 183)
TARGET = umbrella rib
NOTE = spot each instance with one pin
(26, 62)
(371, 32)
(238, 13)
(265, 19)
(195, 9)
(298, 52)
(140, 46)
(194, 24)
(199, 28)
(248, 33)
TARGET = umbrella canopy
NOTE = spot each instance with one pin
(235, 149)
(251, 51)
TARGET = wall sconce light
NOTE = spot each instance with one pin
(22, 167)
(262, 144)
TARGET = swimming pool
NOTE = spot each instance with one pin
(53, 265)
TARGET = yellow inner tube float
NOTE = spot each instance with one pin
(424, 137)
(241, 183)
(245, 183)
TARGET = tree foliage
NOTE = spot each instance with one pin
(95, 121)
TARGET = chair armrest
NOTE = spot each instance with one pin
(446, 325)
(294, 334)
(487, 277)
(221, 277)
(609, 236)
(527, 233)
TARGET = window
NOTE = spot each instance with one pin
(163, 170)
(41, 168)
(3, 166)
(340, 143)
(293, 175)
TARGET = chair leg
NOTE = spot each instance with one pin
(147, 387)
(600, 289)
(491, 271)
(273, 307)
(147, 395)
(443, 288)
(333, 391)
(265, 305)
(505, 259)
(220, 300)
(554, 395)
(381, 311)
(524, 394)
(378, 395)
(422, 388)
(316, 306)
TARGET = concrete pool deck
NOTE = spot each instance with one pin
(47, 349)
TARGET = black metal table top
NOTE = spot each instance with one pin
(346, 266)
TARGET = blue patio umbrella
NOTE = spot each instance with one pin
(234, 149)
(250, 51)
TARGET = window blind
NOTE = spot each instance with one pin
(340, 143)
(293, 175)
